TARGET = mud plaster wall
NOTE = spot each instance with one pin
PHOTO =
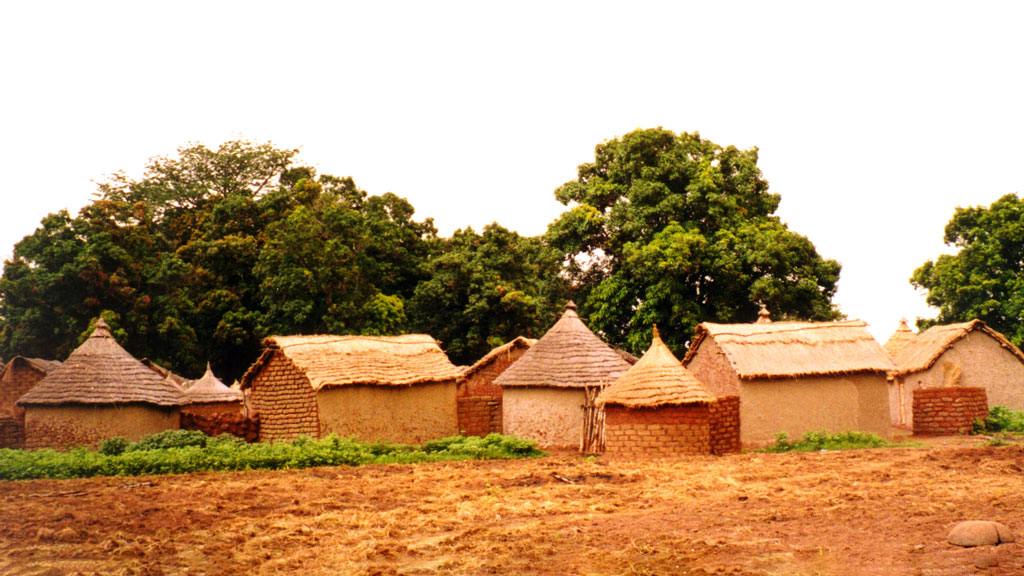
(711, 367)
(17, 380)
(983, 363)
(948, 410)
(285, 401)
(657, 431)
(408, 414)
(857, 402)
(88, 425)
(479, 398)
(549, 416)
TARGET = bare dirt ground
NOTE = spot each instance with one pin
(858, 512)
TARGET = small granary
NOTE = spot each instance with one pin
(968, 354)
(478, 397)
(208, 396)
(795, 377)
(657, 408)
(549, 395)
(99, 392)
(393, 388)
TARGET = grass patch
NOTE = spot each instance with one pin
(1000, 419)
(815, 441)
(184, 451)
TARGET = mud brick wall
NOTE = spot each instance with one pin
(224, 423)
(12, 432)
(285, 400)
(725, 425)
(479, 399)
(214, 408)
(948, 410)
(659, 431)
(17, 380)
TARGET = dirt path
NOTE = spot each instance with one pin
(860, 512)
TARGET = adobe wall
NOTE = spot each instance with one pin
(214, 408)
(285, 401)
(479, 398)
(549, 416)
(87, 425)
(235, 424)
(405, 414)
(858, 402)
(948, 411)
(12, 432)
(18, 379)
(711, 367)
(725, 425)
(657, 432)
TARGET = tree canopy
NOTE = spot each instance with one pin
(985, 278)
(672, 229)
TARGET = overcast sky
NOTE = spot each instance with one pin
(874, 121)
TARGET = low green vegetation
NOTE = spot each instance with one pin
(1000, 419)
(184, 451)
(815, 441)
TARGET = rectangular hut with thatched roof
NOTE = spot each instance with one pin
(479, 398)
(99, 392)
(16, 378)
(967, 354)
(795, 377)
(392, 388)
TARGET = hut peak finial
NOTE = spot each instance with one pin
(904, 327)
(656, 335)
(100, 328)
(570, 305)
(764, 316)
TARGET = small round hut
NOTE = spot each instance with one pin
(99, 392)
(658, 408)
(208, 396)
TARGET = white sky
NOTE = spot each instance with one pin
(873, 120)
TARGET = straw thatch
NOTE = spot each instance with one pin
(101, 372)
(210, 389)
(38, 364)
(791, 349)
(657, 379)
(331, 361)
(504, 349)
(929, 345)
(568, 356)
(179, 381)
(899, 339)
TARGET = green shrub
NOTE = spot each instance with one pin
(815, 441)
(114, 446)
(1002, 419)
(170, 439)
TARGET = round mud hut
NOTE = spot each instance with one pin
(658, 408)
(99, 392)
(208, 396)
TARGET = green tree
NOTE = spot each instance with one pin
(985, 278)
(673, 229)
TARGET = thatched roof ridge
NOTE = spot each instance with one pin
(899, 339)
(166, 374)
(330, 361)
(102, 372)
(38, 364)
(569, 355)
(210, 389)
(494, 354)
(929, 345)
(658, 379)
(793, 349)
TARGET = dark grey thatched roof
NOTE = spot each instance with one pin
(209, 389)
(101, 372)
(568, 356)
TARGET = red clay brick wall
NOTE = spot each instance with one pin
(213, 408)
(235, 424)
(660, 431)
(478, 398)
(285, 401)
(725, 425)
(948, 410)
(12, 432)
(18, 379)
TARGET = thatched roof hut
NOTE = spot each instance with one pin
(398, 388)
(19, 376)
(479, 399)
(658, 379)
(98, 392)
(899, 339)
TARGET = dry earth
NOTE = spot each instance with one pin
(859, 512)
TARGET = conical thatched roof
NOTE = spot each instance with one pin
(791, 349)
(330, 361)
(101, 372)
(568, 356)
(657, 379)
(494, 354)
(928, 346)
(209, 389)
(899, 339)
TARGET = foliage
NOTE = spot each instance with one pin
(1001, 419)
(815, 441)
(673, 229)
(183, 451)
(984, 279)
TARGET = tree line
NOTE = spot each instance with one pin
(212, 250)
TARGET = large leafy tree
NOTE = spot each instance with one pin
(675, 230)
(985, 278)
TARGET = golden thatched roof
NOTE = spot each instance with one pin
(101, 372)
(568, 356)
(928, 346)
(209, 389)
(899, 339)
(504, 349)
(790, 349)
(657, 379)
(330, 361)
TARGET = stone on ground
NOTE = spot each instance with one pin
(980, 533)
